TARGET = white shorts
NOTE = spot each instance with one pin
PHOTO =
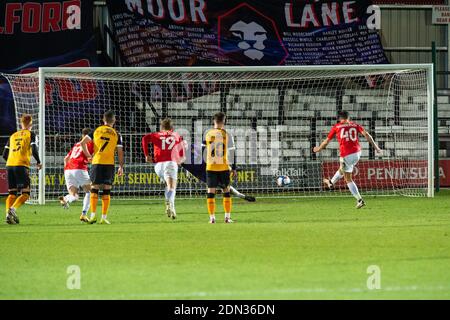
(76, 178)
(167, 169)
(349, 162)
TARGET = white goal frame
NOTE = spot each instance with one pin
(391, 67)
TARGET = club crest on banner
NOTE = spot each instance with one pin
(248, 37)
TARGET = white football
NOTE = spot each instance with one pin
(283, 181)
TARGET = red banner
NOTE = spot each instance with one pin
(3, 181)
(383, 174)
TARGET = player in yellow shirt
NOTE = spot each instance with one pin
(220, 165)
(17, 153)
(106, 141)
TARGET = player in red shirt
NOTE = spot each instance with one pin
(77, 176)
(168, 153)
(346, 133)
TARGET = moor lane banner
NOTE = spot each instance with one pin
(253, 32)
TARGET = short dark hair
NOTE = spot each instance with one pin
(85, 131)
(109, 116)
(219, 117)
(343, 115)
(166, 124)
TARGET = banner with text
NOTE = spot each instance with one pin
(389, 174)
(254, 32)
(369, 175)
(42, 33)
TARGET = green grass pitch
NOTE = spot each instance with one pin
(277, 249)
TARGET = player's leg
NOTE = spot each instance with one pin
(102, 179)
(211, 204)
(95, 189)
(238, 194)
(349, 163)
(106, 200)
(22, 177)
(70, 197)
(12, 194)
(171, 176)
(227, 202)
(72, 178)
(159, 170)
(96, 178)
(212, 182)
(171, 189)
(86, 203)
(354, 189)
(339, 174)
(24, 196)
(85, 182)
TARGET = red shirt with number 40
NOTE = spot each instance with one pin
(347, 136)
(167, 146)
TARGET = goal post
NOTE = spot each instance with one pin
(41, 115)
(276, 114)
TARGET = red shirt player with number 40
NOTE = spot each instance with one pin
(346, 133)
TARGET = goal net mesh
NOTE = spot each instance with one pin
(276, 118)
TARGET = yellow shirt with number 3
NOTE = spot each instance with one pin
(19, 145)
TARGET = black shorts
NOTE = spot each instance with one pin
(18, 177)
(219, 179)
(102, 174)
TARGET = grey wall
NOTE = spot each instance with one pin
(407, 33)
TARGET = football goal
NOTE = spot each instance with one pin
(276, 115)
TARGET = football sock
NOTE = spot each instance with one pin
(86, 202)
(70, 198)
(21, 200)
(10, 200)
(165, 194)
(171, 197)
(106, 199)
(94, 200)
(227, 203)
(211, 204)
(237, 193)
(337, 176)
(354, 190)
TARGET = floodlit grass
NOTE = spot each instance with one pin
(277, 249)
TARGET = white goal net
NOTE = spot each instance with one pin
(276, 114)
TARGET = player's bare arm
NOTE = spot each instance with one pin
(66, 160)
(184, 146)
(86, 139)
(369, 138)
(322, 146)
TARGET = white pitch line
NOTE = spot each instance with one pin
(204, 294)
